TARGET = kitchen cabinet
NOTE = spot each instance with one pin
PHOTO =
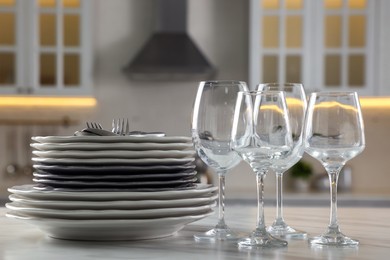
(45, 47)
(329, 45)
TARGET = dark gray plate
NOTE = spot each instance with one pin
(114, 184)
(45, 187)
(116, 177)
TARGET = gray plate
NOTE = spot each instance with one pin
(114, 184)
(31, 191)
(114, 169)
(180, 187)
(116, 177)
(112, 161)
(111, 139)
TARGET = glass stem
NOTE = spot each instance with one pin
(260, 201)
(279, 197)
(333, 179)
(221, 200)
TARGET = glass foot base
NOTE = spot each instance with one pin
(333, 239)
(285, 231)
(217, 234)
(261, 239)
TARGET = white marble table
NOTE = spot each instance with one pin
(371, 226)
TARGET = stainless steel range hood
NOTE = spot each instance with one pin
(170, 54)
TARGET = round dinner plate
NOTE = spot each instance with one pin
(115, 204)
(112, 139)
(116, 177)
(113, 184)
(113, 161)
(114, 169)
(111, 146)
(108, 213)
(114, 154)
(108, 229)
(29, 191)
(44, 187)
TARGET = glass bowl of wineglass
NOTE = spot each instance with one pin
(296, 104)
(334, 134)
(262, 137)
(212, 121)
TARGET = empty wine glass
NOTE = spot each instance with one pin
(211, 129)
(262, 137)
(334, 134)
(296, 104)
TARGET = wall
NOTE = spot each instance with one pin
(122, 27)
(220, 29)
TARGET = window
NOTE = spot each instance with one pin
(44, 47)
(326, 44)
(8, 46)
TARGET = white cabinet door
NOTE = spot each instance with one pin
(52, 48)
(10, 58)
(325, 44)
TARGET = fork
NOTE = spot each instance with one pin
(94, 125)
(95, 129)
(120, 127)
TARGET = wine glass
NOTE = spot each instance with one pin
(334, 134)
(262, 137)
(296, 104)
(211, 129)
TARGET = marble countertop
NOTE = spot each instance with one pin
(370, 225)
(314, 199)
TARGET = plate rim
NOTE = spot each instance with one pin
(112, 161)
(108, 213)
(120, 154)
(88, 146)
(111, 195)
(104, 139)
(123, 204)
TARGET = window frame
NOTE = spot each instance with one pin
(313, 53)
(28, 50)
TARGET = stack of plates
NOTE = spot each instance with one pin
(110, 215)
(112, 188)
(95, 163)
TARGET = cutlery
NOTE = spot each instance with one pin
(94, 129)
(120, 127)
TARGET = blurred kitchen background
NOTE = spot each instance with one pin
(64, 62)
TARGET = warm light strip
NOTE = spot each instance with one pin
(28, 101)
(365, 102)
(333, 105)
(375, 102)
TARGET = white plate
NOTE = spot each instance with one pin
(188, 186)
(111, 146)
(113, 184)
(115, 204)
(113, 169)
(118, 229)
(114, 154)
(116, 177)
(112, 139)
(113, 161)
(109, 213)
(29, 192)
